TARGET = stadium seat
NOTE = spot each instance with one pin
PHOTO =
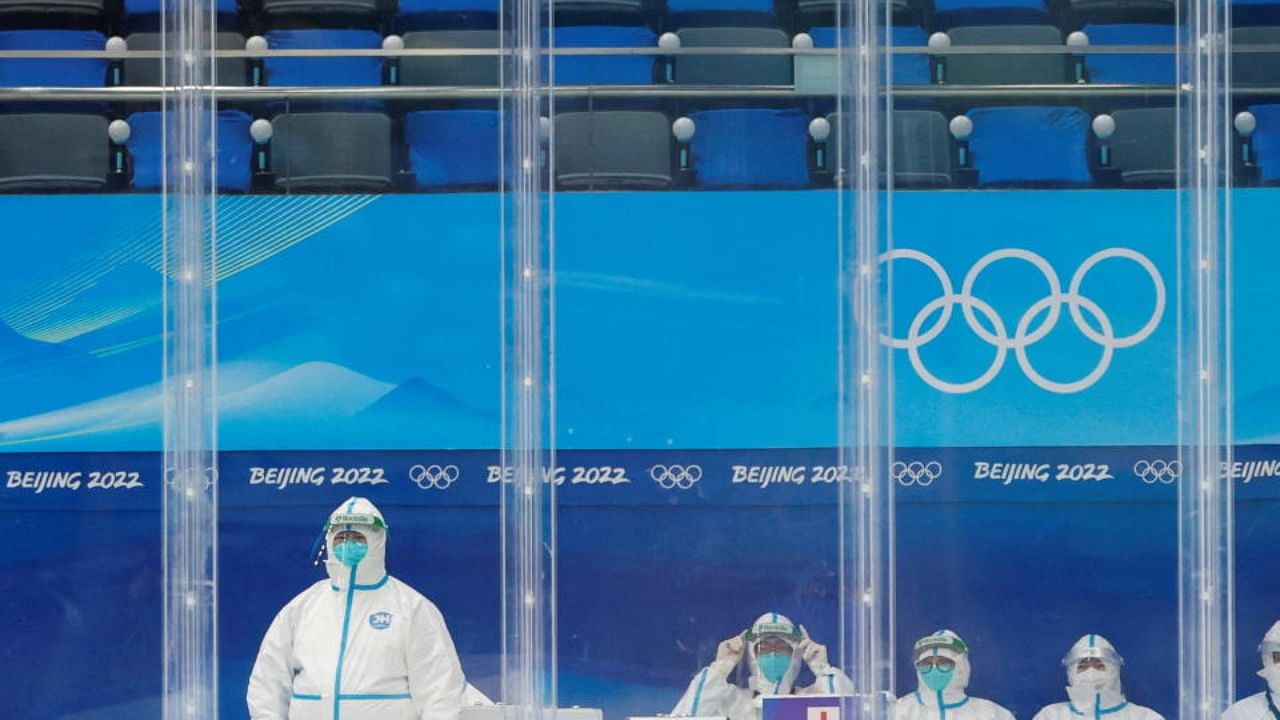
(750, 148)
(593, 11)
(1082, 12)
(78, 72)
(604, 70)
(1030, 146)
(1144, 147)
(319, 9)
(683, 13)
(234, 157)
(955, 13)
(733, 69)
(332, 152)
(1158, 68)
(46, 8)
(1266, 142)
(924, 153)
(478, 70)
(613, 150)
(137, 71)
(447, 14)
(1255, 68)
(454, 149)
(324, 71)
(1007, 69)
(53, 152)
(908, 68)
(1255, 12)
(145, 14)
(823, 12)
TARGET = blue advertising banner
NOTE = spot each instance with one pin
(1033, 338)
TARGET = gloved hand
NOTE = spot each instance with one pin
(813, 653)
(729, 654)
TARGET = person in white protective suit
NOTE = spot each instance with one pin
(1093, 686)
(359, 645)
(775, 649)
(942, 673)
(1266, 704)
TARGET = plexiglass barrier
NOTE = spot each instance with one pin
(695, 358)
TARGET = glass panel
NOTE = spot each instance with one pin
(698, 312)
(81, 319)
(359, 359)
(1034, 329)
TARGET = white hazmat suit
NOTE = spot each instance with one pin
(1095, 694)
(942, 695)
(712, 694)
(360, 645)
(1266, 704)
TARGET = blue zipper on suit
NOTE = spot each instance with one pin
(342, 648)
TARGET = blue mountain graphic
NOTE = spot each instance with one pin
(416, 397)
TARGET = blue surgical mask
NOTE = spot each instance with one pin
(936, 678)
(774, 665)
(349, 553)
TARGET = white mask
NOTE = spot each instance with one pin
(1095, 687)
(1271, 674)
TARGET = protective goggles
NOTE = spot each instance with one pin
(1269, 647)
(945, 664)
(355, 519)
(1106, 655)
(939, 642)
(782, 630)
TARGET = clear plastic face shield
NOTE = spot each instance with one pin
(347, 536)
(1093, 658)
(1270, 649)
(773, 644)
(773, 636)
(936, 658)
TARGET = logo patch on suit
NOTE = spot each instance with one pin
(380, 620)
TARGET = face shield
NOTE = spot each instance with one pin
(1093, 674)
(940, 664)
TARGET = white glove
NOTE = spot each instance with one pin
(729, 654)
(813, 653)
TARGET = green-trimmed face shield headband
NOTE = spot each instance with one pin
(942, 641)
(354, 519)
(763, 630)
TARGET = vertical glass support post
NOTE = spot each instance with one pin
(528, 500)
(190, 498)
(1205, 515)
(866, 504)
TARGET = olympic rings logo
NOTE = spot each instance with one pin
(1026, 332)
(1158, 471)
(434, 477)
(911, 473)
(670, 477)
